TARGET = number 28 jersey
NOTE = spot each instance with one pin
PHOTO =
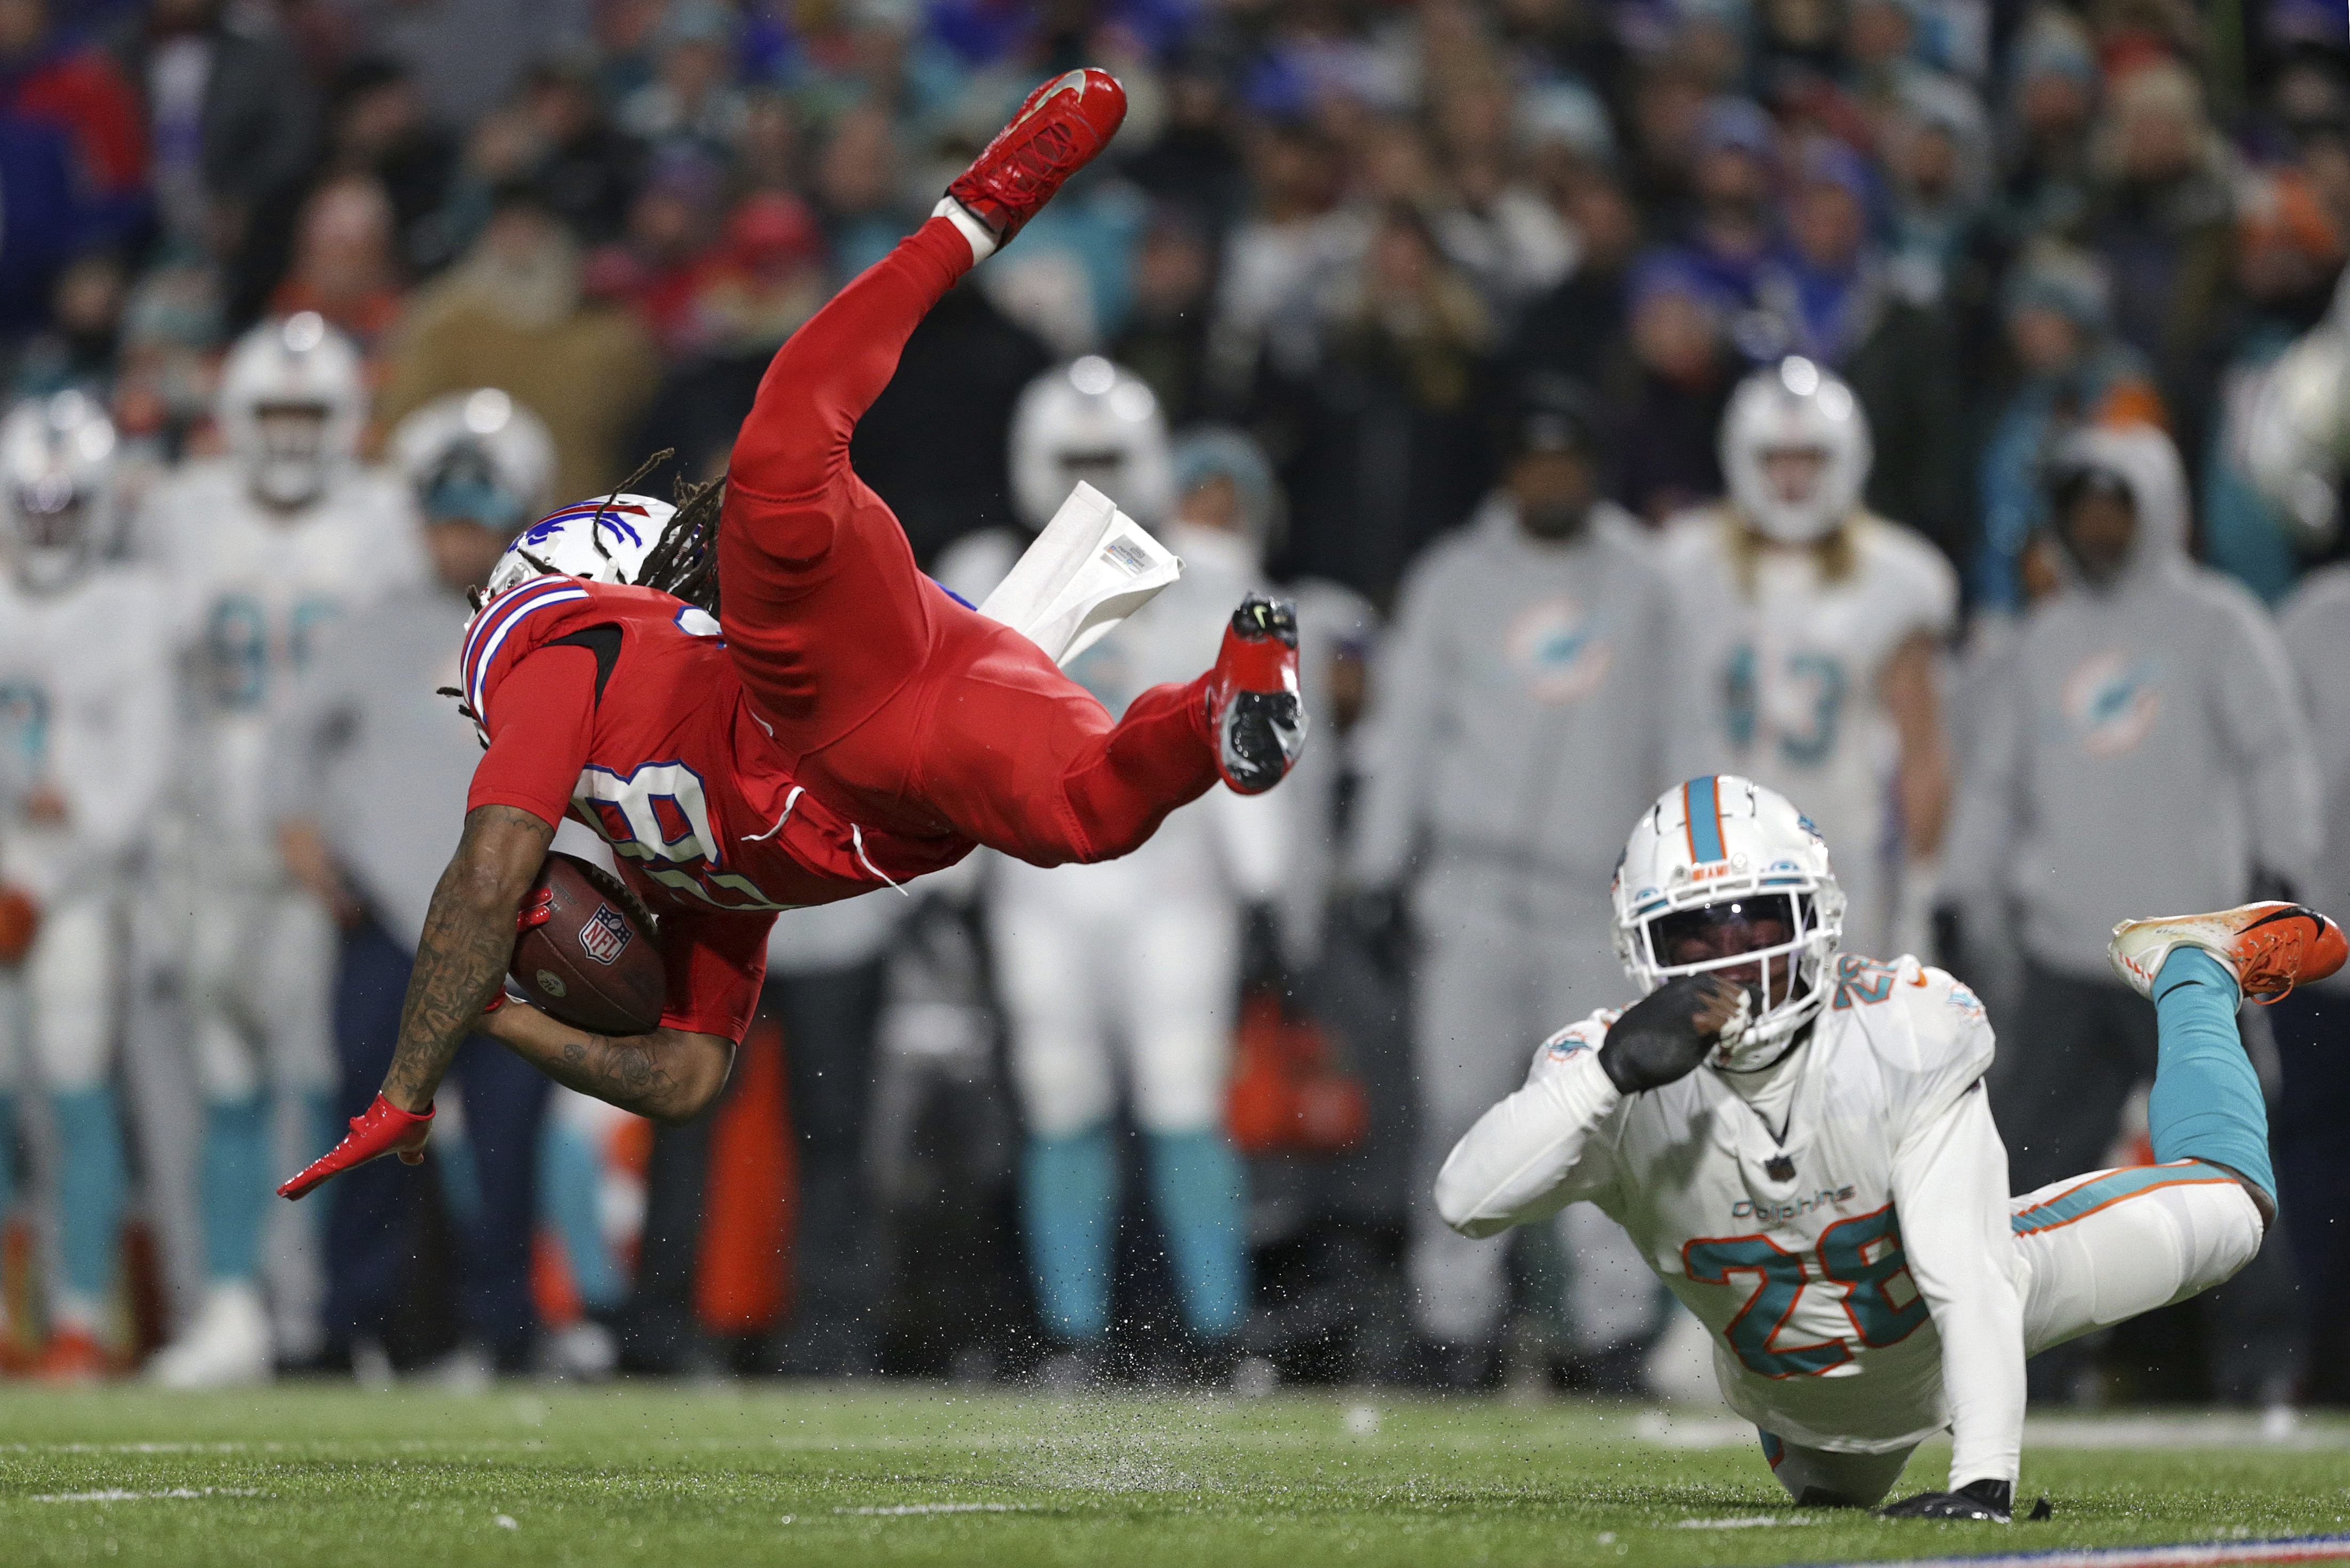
(620, 708)
(1791, 1253)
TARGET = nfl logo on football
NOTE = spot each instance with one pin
(604, 935)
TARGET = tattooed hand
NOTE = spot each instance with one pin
(468, 942)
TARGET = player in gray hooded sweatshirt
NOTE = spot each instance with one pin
(1517, 717)
(2143, 748)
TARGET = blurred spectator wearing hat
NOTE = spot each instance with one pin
(2051, 98)
(2071, 371)
(1514, 716)
(1578, 328)
(2163, 221)
(1670, 401)
(512, 313)
(692, 99)
(1730, 231)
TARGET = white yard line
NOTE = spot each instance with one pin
(905, 1508)
(2184, 1554)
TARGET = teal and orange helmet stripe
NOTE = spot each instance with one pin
(2086, 1197)
(1702, 810)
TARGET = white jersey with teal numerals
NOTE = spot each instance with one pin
(1791, 1252)
(254, 590)
(1785, 666)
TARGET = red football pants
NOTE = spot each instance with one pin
(899, 706)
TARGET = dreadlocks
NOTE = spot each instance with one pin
(684, 562)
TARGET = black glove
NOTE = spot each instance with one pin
(1986, 1500)
(1665, 1034)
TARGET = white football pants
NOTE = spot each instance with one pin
(57, 1008)
(1095, 967)
(2090, 1251)
(1506, 962)
(260, 971)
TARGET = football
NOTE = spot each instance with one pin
(588, 951)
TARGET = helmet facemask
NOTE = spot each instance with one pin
(51, 520)
(1779, 940)
(292, 459)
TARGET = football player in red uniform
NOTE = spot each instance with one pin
(835, 723)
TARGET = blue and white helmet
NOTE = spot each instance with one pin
(1724, 845)
(604, 540)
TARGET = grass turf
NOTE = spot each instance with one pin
(673, 1476)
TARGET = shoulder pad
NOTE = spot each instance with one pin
(1941, 1041)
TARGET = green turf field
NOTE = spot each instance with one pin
(673, 1477)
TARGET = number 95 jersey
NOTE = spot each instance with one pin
(1791, 1253)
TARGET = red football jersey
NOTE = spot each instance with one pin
(621, 707)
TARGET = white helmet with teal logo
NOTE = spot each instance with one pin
(1723, 849)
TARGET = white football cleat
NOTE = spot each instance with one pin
(2269, 948)
(228, 1344)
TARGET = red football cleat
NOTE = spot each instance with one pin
(1253, 706)
(384, 1129)
(1059, 130)
(2270, 947)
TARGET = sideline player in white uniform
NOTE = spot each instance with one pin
(85, 725)
(1798, 1141)
(1814, 631)
(262, 547)
(1129, 969)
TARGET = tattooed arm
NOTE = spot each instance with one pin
(670, 1075)
(468, 943)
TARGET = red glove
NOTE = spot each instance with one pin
(384, 1129)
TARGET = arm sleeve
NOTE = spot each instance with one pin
(1950, 1187)
(543, 719)
(2260, 714)
(1407, 680)
(716, 964)
(1536, 1152)
(1985, 817)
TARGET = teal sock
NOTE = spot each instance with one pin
(2206, 1103)
(1195, 1192)
(89, 1189)
(568, 1180)
(1068, 1206)
(236, 1185)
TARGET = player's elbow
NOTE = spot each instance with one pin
(1463, 1206)
(702, 1064)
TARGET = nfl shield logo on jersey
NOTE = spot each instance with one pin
(604, 935)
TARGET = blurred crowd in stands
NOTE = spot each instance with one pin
(1427, 296)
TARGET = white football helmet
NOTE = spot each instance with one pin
(1095, 421)
(605, 540)
(478, 456)
(1721, 849)
(1798, 405)
(292, 399)
(56, 459)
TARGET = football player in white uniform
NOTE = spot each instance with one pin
(1814, 631)
(1798, 1141)
(85, 724)
(1138, 958)
(262, 546)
